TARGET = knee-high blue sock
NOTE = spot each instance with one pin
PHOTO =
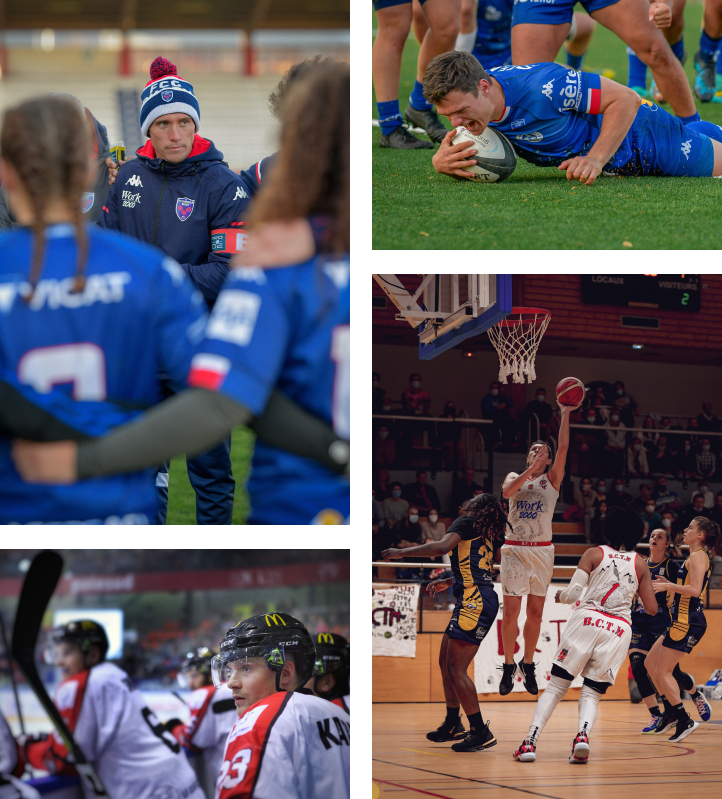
(574, 61)
(418, 101)
(708, 45)
(693, 118)
(389, 116)
(678, 49)
(708, 128)
(637, 70)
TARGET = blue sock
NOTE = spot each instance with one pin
(574, 61)
(694, 118)
(678, 49)
(708, 45)
(418, 101)
(389, 116)
(637, 70)
(709, 129)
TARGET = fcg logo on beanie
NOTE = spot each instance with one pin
(167, 93)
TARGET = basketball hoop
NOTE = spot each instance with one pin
(516, 340)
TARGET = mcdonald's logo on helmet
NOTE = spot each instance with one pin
(275, 618)
(325, 638)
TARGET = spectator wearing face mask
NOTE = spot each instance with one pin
(649, 436)
(671, 523)
(663, 462)
(464, 490)
(431, 528)
(706, 460)
(637, 464)
(650, 517)
(421, 495)
(386, 405)
(615, 443)
(703, 488)
(599, 399)
(595, 531)
(686, 464)
(395, 508)
(645, 494)
(495, 406)
(586, 445)
(408, 530)
(694, 508)
(625, 404)
(618, 496)
(384, 447)
(601, 489)
(378, 395)
(415, 400)
(379, 517)
(664, 496)
(540, 408)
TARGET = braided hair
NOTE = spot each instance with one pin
(46, 142)
(489, 518)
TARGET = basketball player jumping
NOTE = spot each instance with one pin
(527, 557)
(597, 636)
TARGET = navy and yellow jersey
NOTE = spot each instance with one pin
(471, 560)
(689, 609)
(668, 570)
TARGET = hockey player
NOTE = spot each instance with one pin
(331, 671)
(286, 742)
(134, 754)
(212, 715)
(12, 767)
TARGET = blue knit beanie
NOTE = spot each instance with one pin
(166, 93)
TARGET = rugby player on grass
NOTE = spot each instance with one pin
(577, 121)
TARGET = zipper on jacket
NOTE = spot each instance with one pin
(157, 210)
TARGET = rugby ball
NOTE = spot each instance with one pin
(495, 157)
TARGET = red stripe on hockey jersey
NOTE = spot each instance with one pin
(244, 752)
(197, 714)
(340, 703)
(594, 99)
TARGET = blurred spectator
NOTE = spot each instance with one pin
(464, 490)
(663, 461)
(556, 422)
(686, 464)
(449, 438)
(586, 446)
(674, 442)
(378, 395)
(637, 465)
(432, 529)
(670, 522)
(615, 443)
(384, 447)
(703, 488)
(584, 507)
(706, 460)
(601, 489)
(618, 495)
(379, 517)
(625, 403)
(664, 496)
(495, 406)
(595, 532)
(694, 508)
(651, 518)
(386, 405)
(693, 433)
(649, 436)
(645, 494)
(708, 422)
(599, 398)
(543, 411)
(395, 508)
(415, 400)
(408, 531)
(716, 513)
(423, 496)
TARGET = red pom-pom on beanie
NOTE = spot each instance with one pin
(162, 67)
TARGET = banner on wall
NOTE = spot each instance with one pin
(393, 620)
(488, 660)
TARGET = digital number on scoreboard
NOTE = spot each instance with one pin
(664, 292)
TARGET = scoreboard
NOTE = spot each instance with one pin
(663, 292)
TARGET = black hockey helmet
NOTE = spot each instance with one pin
(333, 656)
(271, 636)
(84, 633)
(198, 660)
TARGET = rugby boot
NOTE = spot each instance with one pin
(526, 753)
(528, 677)
(475, 741)
(447, 732)
(580, 749)
(718, 93)
(685, 727)
(401, 139)
(651, 728)
(703, 708)
(705, 79)
(427, 120)
(507, 678)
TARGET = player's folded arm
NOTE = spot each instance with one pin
(618, 106)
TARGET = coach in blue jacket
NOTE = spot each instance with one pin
(179, 195)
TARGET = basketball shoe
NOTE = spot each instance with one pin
(447, 732)
(507, 678)
(428, 121)
(685, 727)
(580, 749)
(651, 728)
(476, 740)
(666, 722)
(526, 753)
(529, 677)
(703, 708)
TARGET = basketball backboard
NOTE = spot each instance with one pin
(447, 309)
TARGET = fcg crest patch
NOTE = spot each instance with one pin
(166, 97)
(184, 208)
(86, 201)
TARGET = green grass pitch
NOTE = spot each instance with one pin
(182, 498)
(536, 208)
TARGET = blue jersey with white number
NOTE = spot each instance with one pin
(493, 32)
(285, 328)
(137, 316)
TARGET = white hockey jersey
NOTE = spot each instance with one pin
(132, 752)
(10, 786)
(612, 585)
(288, 746)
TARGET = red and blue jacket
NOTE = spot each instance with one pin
(193, 211)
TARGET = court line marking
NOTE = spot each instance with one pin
(421, 752)
(416, 790)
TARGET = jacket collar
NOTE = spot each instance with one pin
(203, 153)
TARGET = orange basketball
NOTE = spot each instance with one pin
(570, 391)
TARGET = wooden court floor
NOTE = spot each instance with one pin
(623, 764)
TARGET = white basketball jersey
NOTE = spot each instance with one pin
(531, 510)
(612, 585)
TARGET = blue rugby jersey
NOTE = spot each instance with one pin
(285, 328)
(137, 316)
(493, 32)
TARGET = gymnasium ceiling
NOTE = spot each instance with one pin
(174, 14)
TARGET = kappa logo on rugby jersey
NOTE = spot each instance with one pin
(686, 147)
(548, 89)
(134, 180)
(240, 194)
(166, 97)
(492, 14)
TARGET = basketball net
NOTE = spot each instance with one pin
(516, 340)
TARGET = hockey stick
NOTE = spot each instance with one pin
(12, 673)
(40, 582)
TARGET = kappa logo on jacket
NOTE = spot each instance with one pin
(240, 194)
(134, 180)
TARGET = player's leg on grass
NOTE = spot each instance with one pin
(394, 22)
(629, 19)
(705, 60)
(674, 34)
(467, 31)
(578, 39)
(419, 24)
(533, 44)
